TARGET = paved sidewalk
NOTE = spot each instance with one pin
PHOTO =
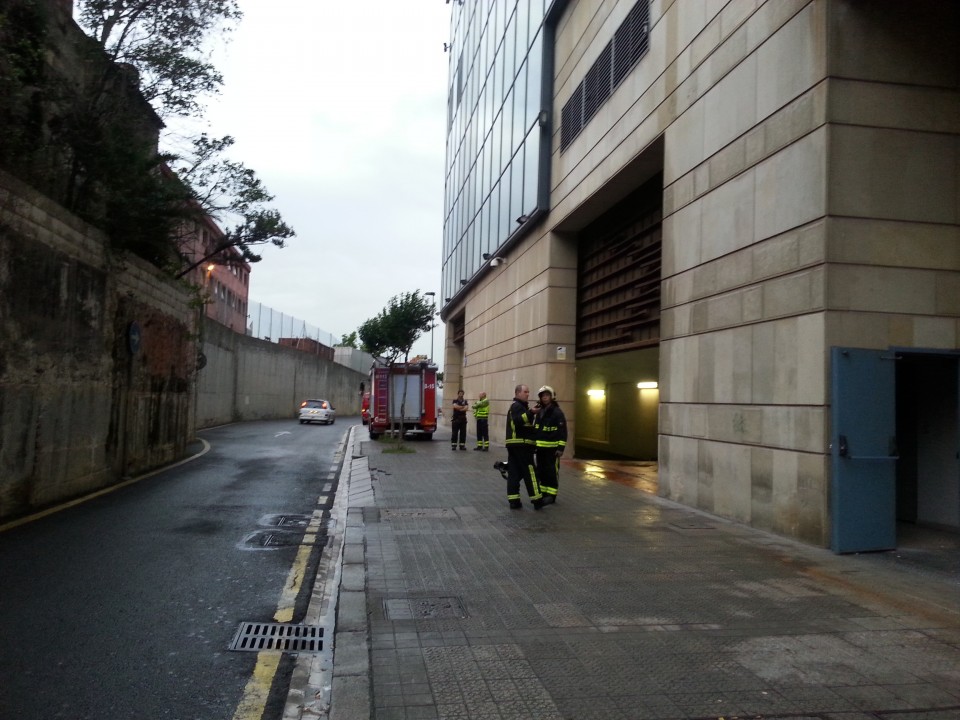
(614, 603)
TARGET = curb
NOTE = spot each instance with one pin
(339, 603)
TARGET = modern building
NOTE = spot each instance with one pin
(728, 233)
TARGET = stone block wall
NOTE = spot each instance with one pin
(79, 409)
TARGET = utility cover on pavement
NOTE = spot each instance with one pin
(430, 608)
(431, 513)
(278, 637)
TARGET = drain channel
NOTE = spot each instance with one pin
(278, 637)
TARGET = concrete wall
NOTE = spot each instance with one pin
(78, 408)
(245, 378)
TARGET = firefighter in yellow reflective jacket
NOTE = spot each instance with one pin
(481, 412)
(521, 447)
(550, 425)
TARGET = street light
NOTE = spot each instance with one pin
(433, 295)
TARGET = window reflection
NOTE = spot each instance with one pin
(493, 143)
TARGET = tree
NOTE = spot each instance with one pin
(164, 43)
(349, 341)
(394, 330)
(229, 192)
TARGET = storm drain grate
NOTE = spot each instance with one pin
(278, 637)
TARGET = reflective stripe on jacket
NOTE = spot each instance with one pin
(481, 409)
(520, 424)
(551, 427)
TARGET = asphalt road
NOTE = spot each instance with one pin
(124, 606)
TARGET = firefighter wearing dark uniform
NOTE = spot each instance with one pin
(521, 448)
(550, 425)
(458, 422)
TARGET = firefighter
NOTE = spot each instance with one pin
(521, 448)
(481, 412)
(458, 422)
(550, 425)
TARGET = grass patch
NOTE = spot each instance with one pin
(396, 446)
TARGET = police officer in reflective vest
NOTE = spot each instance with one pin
(481, 412)
(550, 425)
(521, 448)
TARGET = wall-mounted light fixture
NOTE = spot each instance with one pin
(462, 281)
(494, 261)
(522, 219)
(648, 385)
(596, 393)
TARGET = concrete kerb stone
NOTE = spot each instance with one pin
(339, 602)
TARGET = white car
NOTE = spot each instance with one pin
(317, 411)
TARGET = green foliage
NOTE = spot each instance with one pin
(393, 331)
(349, 341)
(166, 41)
(84, 130)
(233, 195)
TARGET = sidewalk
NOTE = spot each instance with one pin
(614, 603)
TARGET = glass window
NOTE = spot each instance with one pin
(507, 148)
(535, 77)
(531, 175)
(517, 207)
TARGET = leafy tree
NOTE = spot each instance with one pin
(230, 193)
(393, 331)
(349, 341)
(166, 41)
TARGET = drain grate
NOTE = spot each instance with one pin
(277, 637)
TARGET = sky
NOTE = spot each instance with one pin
(340, 107)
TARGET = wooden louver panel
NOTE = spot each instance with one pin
(619, 277)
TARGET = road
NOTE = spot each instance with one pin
(124, 606)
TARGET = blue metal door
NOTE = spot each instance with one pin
(863, 449)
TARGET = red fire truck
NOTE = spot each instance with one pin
(419, 416)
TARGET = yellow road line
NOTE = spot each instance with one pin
(255, 694)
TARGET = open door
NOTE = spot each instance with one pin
(863, 450)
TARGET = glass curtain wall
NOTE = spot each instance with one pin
(493, 129)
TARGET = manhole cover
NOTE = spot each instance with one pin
(426, 513)
(433, 608)
(278, 637)
(286, 520)
(692, 525)
(283, 538)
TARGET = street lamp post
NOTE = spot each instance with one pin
(433, 295)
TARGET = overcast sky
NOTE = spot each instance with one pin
(340, 109)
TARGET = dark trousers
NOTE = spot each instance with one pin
(520, 466)
(483, 433)
(548, 470)
(459, 436)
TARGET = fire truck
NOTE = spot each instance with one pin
(419, 417)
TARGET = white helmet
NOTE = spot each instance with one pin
(546, 389)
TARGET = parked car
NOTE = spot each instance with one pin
(317, 411)
(365, 408)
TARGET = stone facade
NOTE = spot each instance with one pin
(96, 358)
(809, 154)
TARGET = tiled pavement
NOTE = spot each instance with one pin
(613, 603)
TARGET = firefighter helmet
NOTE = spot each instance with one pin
(546, 389)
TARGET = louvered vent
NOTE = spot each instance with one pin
(630, 43)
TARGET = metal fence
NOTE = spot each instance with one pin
(268, 324)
